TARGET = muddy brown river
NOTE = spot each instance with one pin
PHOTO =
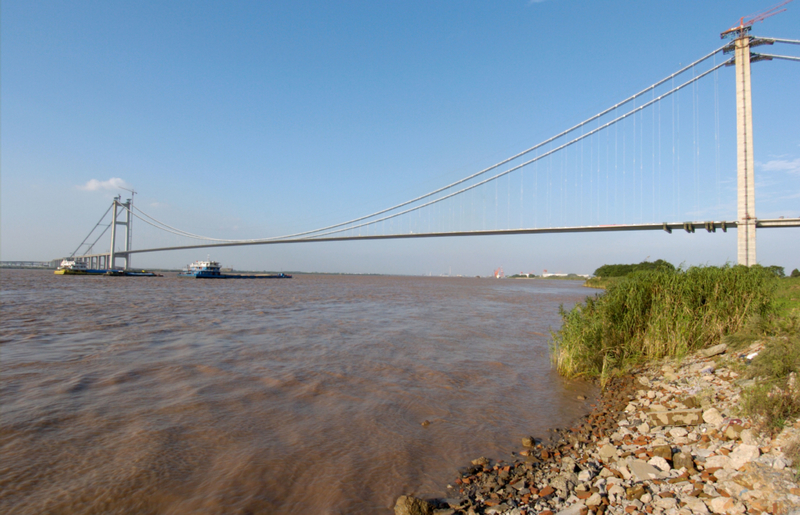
(178, 396)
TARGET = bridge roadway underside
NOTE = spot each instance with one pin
(690, 227)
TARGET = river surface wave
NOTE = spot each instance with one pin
(178, 396)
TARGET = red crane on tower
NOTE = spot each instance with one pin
(745, 26)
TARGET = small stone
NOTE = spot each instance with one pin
(743, 454)
(480, 461)
(714, 351)
(634, 492)
(713, 416)
(606, 472)
(664, 451)
(733, 431)
(529, 441)
(581, 398)
(683, 460)
(594, 500)
(696, 505)
(726, 505)
(407, 505)
(616, 490)
(718, 461)
(546, 491)
(608, 451)
(678, 432)
(665, 503)
(643, 428)
(425, 423)
(659, 462)
(644, 471)
(575, 509)
(748, 437)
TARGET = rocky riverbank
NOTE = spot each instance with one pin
(663, 440)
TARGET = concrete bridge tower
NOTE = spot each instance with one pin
(746, 205)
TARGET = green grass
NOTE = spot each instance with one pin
(654, 314)
(602, 283)
(775, 399)
(787, 297)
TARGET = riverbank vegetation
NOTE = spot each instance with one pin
(607, 275)
(659, 313)
(774, 398)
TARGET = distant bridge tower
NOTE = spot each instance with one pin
(127, 206)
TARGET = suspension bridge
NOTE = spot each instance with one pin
(626, 168)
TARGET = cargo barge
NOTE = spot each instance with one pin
(75, 267)
(211, 270)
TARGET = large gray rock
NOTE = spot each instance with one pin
(713, 416)
(563, 485)
(697, 506)
(713, 351)
(743, 454)
(717, 461)
(645, 472)
(677, 417)
(683, 460)
(608, 451)
(575, 509)
(407, 505)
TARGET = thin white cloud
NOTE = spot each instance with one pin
(792, 196)
(782, 165)
(114, 183)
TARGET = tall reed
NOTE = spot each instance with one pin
(653, 314)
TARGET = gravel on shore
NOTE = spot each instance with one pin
(665, 440)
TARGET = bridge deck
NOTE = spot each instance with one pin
(709, 226)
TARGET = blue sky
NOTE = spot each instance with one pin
(255, 119)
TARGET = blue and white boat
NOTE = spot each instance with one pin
(202, 270)
(211, 270)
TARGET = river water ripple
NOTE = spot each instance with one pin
(173, 396)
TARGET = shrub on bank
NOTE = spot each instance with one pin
(659, 313)
(607, 271)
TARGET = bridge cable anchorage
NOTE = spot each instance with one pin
(526, 163)
(512, 158)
